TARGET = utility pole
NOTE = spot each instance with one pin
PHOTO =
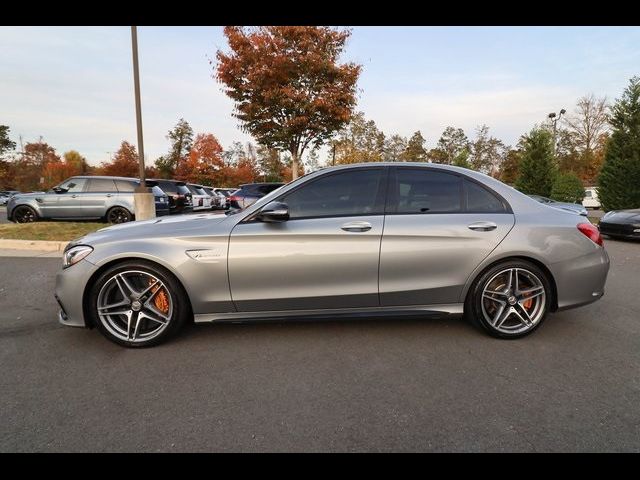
(333, 161)
(554, 120)
(144, 201)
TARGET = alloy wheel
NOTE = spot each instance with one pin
(135, 306)
(513, 301)
(118, 215)
(24, 215)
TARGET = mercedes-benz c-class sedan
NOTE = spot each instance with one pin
(386, 239)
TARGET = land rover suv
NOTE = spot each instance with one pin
(84, 198)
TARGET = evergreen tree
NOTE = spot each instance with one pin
(619, 179)
(537, 168)
(415, 151)
(6, 144)
(567, 187)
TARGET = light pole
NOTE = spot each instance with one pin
(554, 120)
(143, 198)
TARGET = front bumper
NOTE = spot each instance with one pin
(70, 286)
(625, 230)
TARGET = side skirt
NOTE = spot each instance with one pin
(423, 311)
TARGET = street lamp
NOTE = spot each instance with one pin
(143, 198)
(554, 120)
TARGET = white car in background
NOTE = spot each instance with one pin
(591, 198)
(201, 199)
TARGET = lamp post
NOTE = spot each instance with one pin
(554, 120)
(143, 198)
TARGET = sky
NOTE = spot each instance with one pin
(74, 85)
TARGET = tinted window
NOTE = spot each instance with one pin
(479, 199)
(264, 189)
(342, 194)
(124, 186)
(101, 185)
(168, 187)
(75, 185)
(183, 190)
(157, 191)
(427, 191)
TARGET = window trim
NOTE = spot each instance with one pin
(392, 195)
(380, 201)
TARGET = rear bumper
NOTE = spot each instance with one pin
(581, 280)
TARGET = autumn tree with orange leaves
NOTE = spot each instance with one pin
(124, 163)
(204, 162)
(289, 89)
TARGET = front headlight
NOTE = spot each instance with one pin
(75, 254)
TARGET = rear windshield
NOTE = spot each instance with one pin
(168, 187)
(158, 192)
(183, 190)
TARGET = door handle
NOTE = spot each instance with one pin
(74, 195)
(109, 195)
(483, 226)
(356, 227)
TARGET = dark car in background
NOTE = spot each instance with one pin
(621, 223)
(249, 193)
(82, 198)
(180, 200)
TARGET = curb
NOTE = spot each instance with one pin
(41, 245)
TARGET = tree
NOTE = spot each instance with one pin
(181, 138)
(462, 159)
(510, 169)
(313, 162)
(289, 89)
(619, 178)
(537, 168)
(585, 130)
(270, 165)
(204, 164)
(56, 171)
(125, 162)
(415, 151)
(394, 148)
(451, 143)
(32, 163)
(487, 153)
(359, 141)
(6, 145)
(567, 187)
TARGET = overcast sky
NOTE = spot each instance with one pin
(74, 85)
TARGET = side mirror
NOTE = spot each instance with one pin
(59, 190)
(274, 212)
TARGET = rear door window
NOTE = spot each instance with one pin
(423, 191)
(101, 185)
(125, 186)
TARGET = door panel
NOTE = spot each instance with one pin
(69, 203)
(427, 259)
(305, 264)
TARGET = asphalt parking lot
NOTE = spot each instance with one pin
(362, 385)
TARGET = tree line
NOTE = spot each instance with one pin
(293, 94)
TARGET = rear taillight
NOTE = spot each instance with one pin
(233, 198)
(592, 232)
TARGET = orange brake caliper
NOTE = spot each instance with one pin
(160, 300)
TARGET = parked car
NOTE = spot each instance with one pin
(201, 199)
(455, 242)
(571, 207)
(591, 199)
(248, 193)
(621, 223)
(180, 200)
(81, 198)
(218, 201)
(226, 193)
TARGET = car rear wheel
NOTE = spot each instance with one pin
(138, 304)
(25, 214)
(510, 300)
(119, 215)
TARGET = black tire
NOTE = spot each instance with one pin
(473, 308)
(24, 214)
(181, 312)
(118, 215)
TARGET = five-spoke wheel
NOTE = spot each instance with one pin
(138, 304)
(511, 299)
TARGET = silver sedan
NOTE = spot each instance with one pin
(385, 239)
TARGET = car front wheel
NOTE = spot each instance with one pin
(138, 304)
(510, 300)
(25, 214)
